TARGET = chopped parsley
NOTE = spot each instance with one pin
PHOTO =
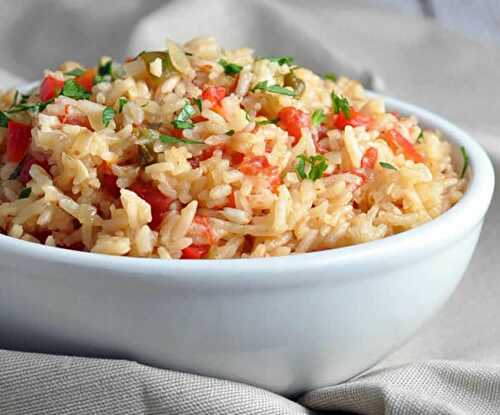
(420, 138)
(317, 166)
(75, 72)
(230, 133)
(198, 103)
(182, 121)
(149, 135)
(331, 76)
(466, 161)
(340, 103)
(24, 98)
(36, 107)
(170, 139)
(230, 68)
(318, 117)
(4, 120)
(281, 60)
(73, 90)
(387, 166)
(107, 115)
(25, 193)
(266, 122)
(275, 89)
(121, 103)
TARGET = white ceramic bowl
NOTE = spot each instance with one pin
(288, 324)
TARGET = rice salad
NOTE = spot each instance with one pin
(199, 152)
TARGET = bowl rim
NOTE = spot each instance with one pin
(450, 226)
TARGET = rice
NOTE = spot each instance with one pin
(201, 152)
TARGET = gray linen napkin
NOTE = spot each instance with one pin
(60, 385)
(419, 62)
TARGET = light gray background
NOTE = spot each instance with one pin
(441, 69)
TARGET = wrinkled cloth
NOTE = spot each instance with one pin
(418, 62)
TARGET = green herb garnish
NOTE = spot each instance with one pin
(466, 161)
(107, 115)
(170, 139)
(4, 120)
(266, 122)
(317, 166)
(73, 90)
(420, 138)
(230, 133)
(75, 72)
(230, 68)
(25, 193)
(282, 60)
(182, 121)
(387, 166)
(36, 107)
(121, 103)
(198, 103)
(331, 76)
(275, 89)
(318, 117)
(340, 103)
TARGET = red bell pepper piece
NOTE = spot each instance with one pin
(292, 120)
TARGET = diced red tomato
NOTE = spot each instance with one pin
(195, 251)
(231, 202)
(292, 120)
(236, 158)
(86, 80)
(214, 94)
(397, 141)
(369, 158)
(198, 118)
(41, 234)
(254, 165)
(108, 180)
(50, 88)
(170, 130)
(24, 174)
(18, 141)
(356, 119)
(158, 201)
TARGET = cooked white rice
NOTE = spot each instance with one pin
(201, 152)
